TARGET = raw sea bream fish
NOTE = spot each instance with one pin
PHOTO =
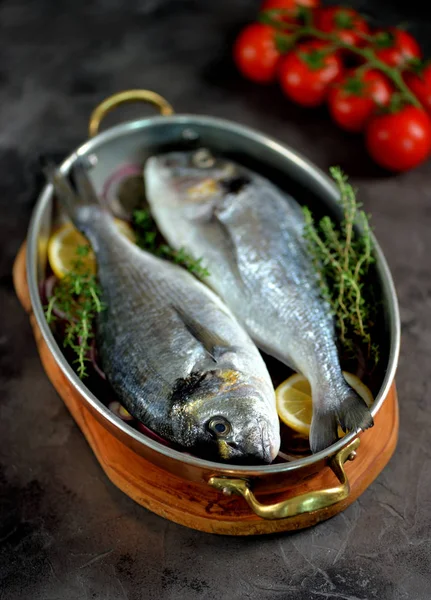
(249, 235)
(174, 354)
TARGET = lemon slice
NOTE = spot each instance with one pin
(294, 405)
(63, 244)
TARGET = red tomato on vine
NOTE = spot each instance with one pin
(353, 100)
(345, 23)
(307, 71)
(255, 53)
(293, 10)
(396, 47)
(420, 85)
(401, 140)
(289, 4)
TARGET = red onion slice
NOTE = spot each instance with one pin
(112, 184)
(46, 293)
(124, 415)
(94, 357)
(149, 433)
(120, 411)
(45, 289)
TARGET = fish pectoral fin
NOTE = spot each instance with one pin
(202, 213)
(213, 344)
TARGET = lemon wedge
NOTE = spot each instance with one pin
(294, 405)
(63, 244)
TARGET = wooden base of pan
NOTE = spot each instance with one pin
(197, 505)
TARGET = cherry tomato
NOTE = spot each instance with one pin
(292, 8)
(399, 141)
(420, 85)
(255, 53)
(345, 23)
(396, 47)
(352, 101)
(306, 73)
(270, 4)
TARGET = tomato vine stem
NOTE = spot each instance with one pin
(295, 32)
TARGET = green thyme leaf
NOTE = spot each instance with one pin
(148, 239)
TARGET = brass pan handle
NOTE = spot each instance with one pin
(100, 112)
(305, 503)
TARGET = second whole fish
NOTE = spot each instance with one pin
(174, 354)
(250, 236)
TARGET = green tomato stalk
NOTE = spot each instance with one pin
(288, 34)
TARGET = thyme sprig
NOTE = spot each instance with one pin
(77, 298)
(342, 257)
(147, 238)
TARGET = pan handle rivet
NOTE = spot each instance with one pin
(190, 134)
(92, 160)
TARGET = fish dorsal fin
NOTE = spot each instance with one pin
(213, 344)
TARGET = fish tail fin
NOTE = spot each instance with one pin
(83, 206)
(323, 431)
(350, 412)
(353, 413)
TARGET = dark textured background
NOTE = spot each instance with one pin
(65, 532)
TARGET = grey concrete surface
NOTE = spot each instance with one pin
(65, 532)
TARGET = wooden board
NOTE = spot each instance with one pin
(197, 505)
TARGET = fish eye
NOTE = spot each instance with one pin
(219, 426)
(203, 159)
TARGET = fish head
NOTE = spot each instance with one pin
(190, 179)
(224, 416)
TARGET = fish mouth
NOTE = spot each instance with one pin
(266, 445)
(268, 449)
(256, 448)
(263, 456)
